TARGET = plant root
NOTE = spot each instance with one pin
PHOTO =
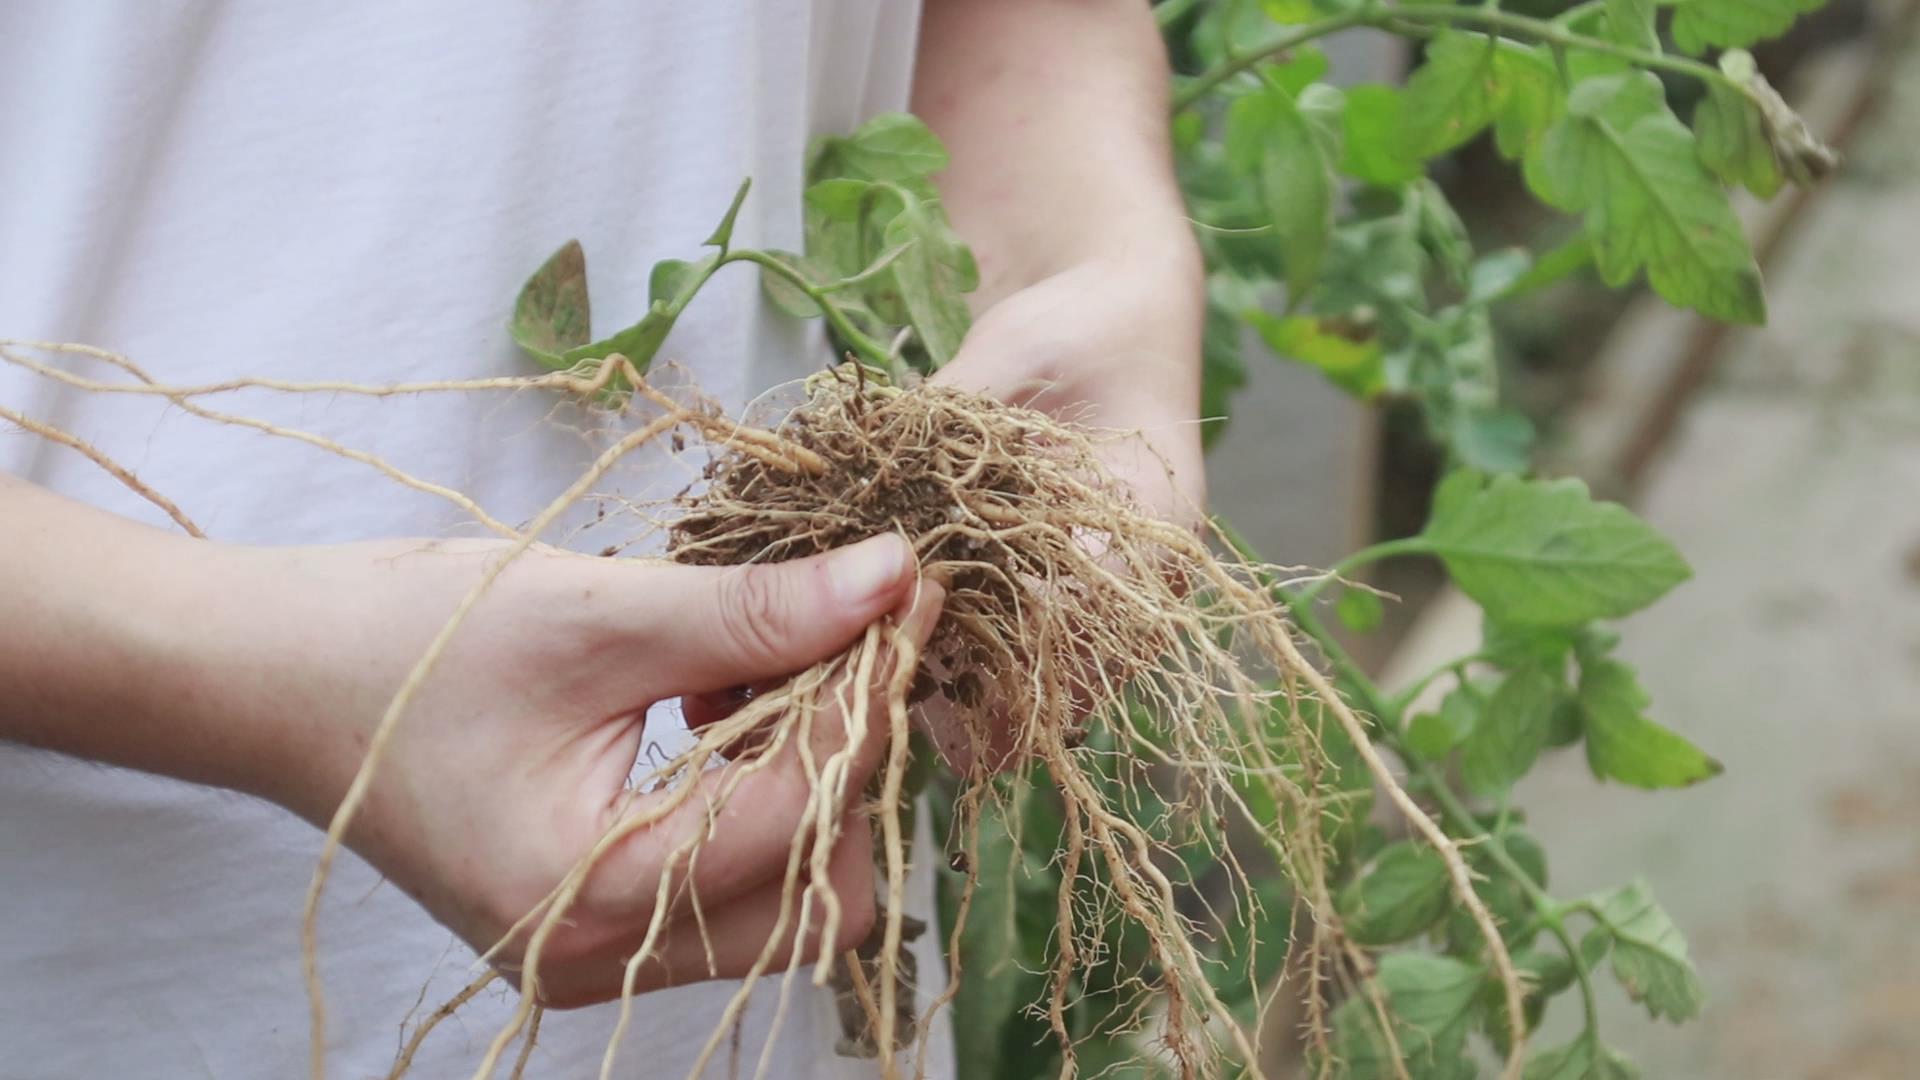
(1078, 632)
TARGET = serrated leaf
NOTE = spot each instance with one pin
(551, 314)
(1359, 610)
(1582, 1059)
(1433, 735)
(1534, 552)
(1401, 893)
(1471, 81)
(1630, 22)
(1623, 745)
(1271, 138)
(1434, 997)
(1699, 25)
(1511, 732)
(1649, 953)
(723, 232)
(1622, 159)
(1431, 1000)
(1348, 355)
(1544, 552)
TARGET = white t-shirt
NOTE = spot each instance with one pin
(356, 192)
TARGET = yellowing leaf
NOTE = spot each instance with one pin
(1349, 356)
(552, 315)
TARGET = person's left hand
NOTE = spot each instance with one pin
(1104, 345)
(1108, 344)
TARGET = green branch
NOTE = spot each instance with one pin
(870, 350)
(1386, 714)
(1411, 545)
(1400, 17)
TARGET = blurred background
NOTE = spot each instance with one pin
(1785, 464)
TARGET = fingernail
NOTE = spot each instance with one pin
(867, 569)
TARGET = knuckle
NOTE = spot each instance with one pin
(753, 609)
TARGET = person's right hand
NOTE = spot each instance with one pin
(514, 759)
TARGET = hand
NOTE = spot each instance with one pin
(1105, 345)
(515, 758)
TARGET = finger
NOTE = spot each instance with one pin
(730, 938)
(751, 811)
(738, 624)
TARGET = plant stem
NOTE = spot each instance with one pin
(1386, 549)
(1384, 17)
(1387, 722)
(1459, 667)
(870, 350)
(1546, 909)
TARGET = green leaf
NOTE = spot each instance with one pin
(1471, 81)
(1582, 1059)
(1359, 610)
(674, 281)
(1403, 892)
(1348, 355)
(723, 232)
(1568, 258)
(551, 314)
(1511, 733)
(1623, 745)
(1270, 137)
(637, 343)
(1433, 735)
(1546, 553)
(1431, 1000)
(1545, 647)
(1434, 997)
(890, 147)
(1649, 953)
(1622, 159)
(1699, 25)
(1732, 133)
(1373, 149)
(1491, 440)
(933, 273)
(1630, 22)
(1003, 945)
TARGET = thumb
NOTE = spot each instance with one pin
(740, 624)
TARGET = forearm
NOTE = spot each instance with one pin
(127, 645)
(1055, 114)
